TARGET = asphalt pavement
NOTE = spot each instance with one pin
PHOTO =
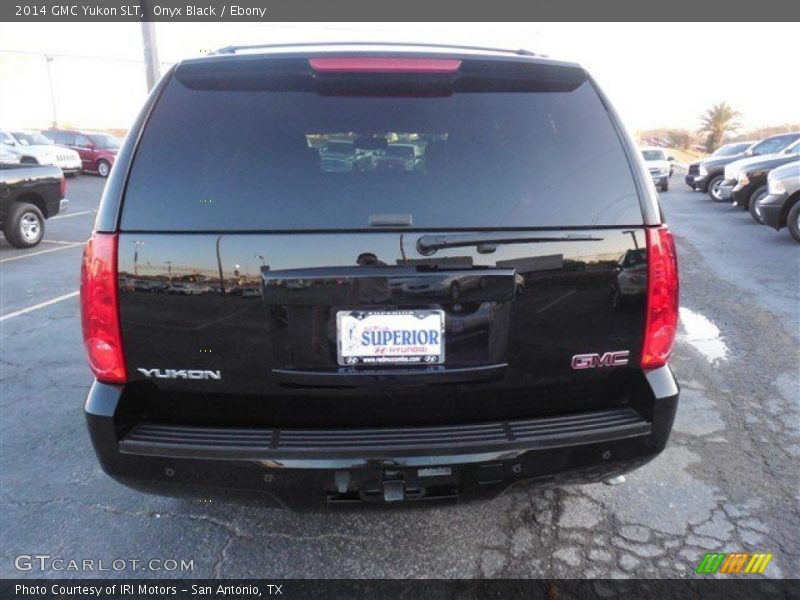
(728, 480)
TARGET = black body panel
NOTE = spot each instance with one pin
(520, 315)
(39, 185)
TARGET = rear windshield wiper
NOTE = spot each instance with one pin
(488, 242)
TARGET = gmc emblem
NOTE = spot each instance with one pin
(593, 361)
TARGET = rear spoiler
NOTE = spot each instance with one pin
(455, 73)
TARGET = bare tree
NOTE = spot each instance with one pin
(679, 138)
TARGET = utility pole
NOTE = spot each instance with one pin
(633, 233)
(47, 60)
(150, 47)
(219, 265)
(136, 244)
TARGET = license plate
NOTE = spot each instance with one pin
(398, 337)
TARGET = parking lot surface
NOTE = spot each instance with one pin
(728, 480)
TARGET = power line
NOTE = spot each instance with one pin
(51, 55)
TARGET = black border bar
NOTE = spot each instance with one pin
(733, 588)
(407, 10)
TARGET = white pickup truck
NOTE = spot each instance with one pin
(658, 164)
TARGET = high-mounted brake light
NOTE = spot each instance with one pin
(100, 309)
(662, 298)
(370, 64)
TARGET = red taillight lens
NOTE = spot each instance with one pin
(367, 64)
(662, 298)
(100, 309)
(62, 188)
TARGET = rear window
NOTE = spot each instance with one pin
(653, 155)
(253, 159)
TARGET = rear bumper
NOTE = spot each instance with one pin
(309, 468)
(55, 206)
(659, 179)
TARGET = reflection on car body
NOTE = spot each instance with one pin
(630, 277)
(398, 157)
(187, 288)
(338, 156)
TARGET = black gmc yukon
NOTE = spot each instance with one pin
(371, 273)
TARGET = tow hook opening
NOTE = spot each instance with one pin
(389, 487)
(394, 491)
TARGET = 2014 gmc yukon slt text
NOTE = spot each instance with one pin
(360, 274)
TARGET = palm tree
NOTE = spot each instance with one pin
(716, 122)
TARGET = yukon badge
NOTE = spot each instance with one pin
(180, 374)
(593, 361)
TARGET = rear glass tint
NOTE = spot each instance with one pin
(236, 159)
(653, 155)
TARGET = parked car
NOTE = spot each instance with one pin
(97, 150)
(732, 149)
(746, 180)
(399, 157)
(335, 387)
(711, 171)
(187, 288)
(35, 149)
(337, 156)
(7, 156)
(781, 206)
(29, 194)
(658, 164)
(148, 285)
(630, 277)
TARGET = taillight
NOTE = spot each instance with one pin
(62, 188)
(662, 298)
(370, 64)
(100, 309)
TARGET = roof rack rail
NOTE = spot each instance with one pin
(234, 49)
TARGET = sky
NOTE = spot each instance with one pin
(656, 74)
